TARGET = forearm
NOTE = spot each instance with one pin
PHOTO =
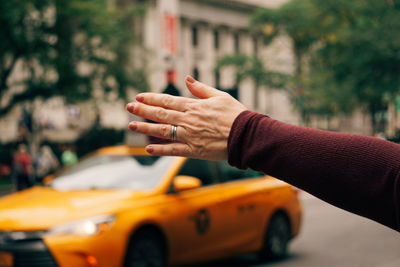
(357, 173)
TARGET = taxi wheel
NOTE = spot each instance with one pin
(276, 239)
(146, 250)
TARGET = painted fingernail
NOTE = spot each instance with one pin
(130, 107)
(140, 98)
(190, 79)
(150, 149)
(132, 126)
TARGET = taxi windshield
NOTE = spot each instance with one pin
(114, 172)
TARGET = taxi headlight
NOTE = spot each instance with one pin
(86, 227)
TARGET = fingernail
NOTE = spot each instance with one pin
(150, 149)
(140, 98)
(132, 125)
(190, 79)
(130, 107)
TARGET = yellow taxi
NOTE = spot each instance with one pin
(123, 207)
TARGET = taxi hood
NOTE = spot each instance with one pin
(41, 208)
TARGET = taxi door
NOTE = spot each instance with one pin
(197, 223)
(246, 204)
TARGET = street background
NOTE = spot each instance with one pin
(68, 68)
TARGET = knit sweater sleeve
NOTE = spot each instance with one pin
(353, 172)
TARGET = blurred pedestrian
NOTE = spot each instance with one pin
(24, 124)
(68, 156)
(5, 170)
(45, 163)
(358, 173)
(22, 168)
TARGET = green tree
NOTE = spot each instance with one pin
(52, 39)
(363, 61)
(249, 67)
(347, 53)
(297, 20)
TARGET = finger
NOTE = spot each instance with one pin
(155, 113)
(174, 149)
(157, 130)
(164, 100)
(201, 90)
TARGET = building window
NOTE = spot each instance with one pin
(255, 46)
(195, 36)
(216, 39)
(196, 73)
(236, 42)
(217, 78)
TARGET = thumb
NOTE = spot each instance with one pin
(201, 90)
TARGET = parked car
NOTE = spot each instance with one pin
(122, 207)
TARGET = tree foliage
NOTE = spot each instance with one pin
(347, 52)
(251, 67)
(65, 47)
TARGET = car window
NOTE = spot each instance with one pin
(229, 173)
(114, 172)
(205, 170)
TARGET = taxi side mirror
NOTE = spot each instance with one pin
(183, 183)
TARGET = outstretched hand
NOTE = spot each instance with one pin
(203, 125)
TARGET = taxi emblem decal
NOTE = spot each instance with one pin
(202, 221)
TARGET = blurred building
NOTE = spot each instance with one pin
(189, 36)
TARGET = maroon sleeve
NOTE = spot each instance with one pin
(353, 172)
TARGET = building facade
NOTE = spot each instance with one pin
(188, 37)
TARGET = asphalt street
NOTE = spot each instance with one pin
(335, 238)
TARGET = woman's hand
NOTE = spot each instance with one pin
(203, 125)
